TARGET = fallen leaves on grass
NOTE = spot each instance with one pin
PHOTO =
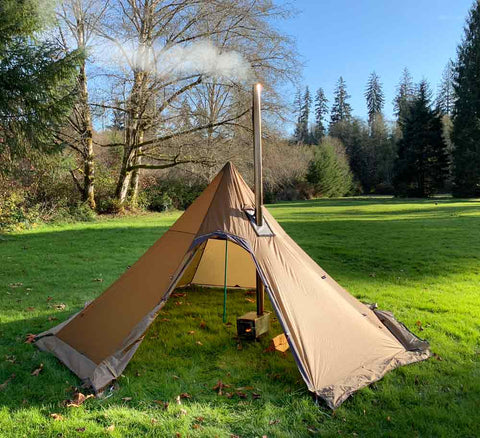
(77, 400)
(438, 357)
(4, 384)
(198, 343)
(185, 395)
(272, 422)
(419, 325)
(80, 429)
(14, 285)
(203, 325)
(59, 306)
(179, 294)
(191, 332)
(98, 279)
(219, 387)
(110, 428)
(165, 319)
(11, 359)
(37, 371)
(127, 399)
(153, 420)
(30, 309)
(241, 394)
(256, 396)
(162, 404)
(178, 303)
(250, 300)
(244, 388)
(52, 318)
(49, 298)
(56, 417)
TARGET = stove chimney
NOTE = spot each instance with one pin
(257, 153)
(257, 162)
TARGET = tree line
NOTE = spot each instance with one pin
(137, 103)
(431, 147)
(172, 79)
(409, 157)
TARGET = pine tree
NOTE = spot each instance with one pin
(375, 99)
(405, 94)
(297, 110)
(466, 113)
(422, 164)
(302, 132)
(321, 111)
(37, 80)
(446, 92)
(329, 172)
(341, 109)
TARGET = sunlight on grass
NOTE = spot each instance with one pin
(420, 259)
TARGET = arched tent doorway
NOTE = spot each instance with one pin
(207, 267)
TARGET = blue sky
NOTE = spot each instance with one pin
(354, 37)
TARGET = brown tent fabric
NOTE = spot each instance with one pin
(340, 345)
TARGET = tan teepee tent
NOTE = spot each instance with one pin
(339, 344)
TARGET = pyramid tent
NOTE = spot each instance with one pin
(339, 344)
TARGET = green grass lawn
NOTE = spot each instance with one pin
(420, 259)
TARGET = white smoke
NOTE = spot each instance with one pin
(198, 58)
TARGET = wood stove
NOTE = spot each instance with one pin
(252, 326)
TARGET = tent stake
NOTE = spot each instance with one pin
(225, 284)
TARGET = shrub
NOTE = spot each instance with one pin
(329, 172)
(285, 167)
(14, 214)
(169, 193)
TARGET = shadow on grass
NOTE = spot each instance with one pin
(365, 201)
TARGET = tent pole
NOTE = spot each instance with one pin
(225, 284)
(258, 177)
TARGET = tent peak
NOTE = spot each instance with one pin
(228, 166)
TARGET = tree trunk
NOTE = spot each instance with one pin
(124, 178)
(86, 132)
(136, 172)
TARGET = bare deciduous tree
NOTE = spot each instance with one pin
(181, 105)
(78, 20)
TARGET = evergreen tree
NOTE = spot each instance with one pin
(302, 132)
(341, 109)
(405, 94)
(466, 113)
(375, 99)
(37, 80)
(422, 164)
(446, 91)
(321, 111)
(329, 172)
(297, 110)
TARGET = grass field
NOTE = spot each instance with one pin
(420, 259)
